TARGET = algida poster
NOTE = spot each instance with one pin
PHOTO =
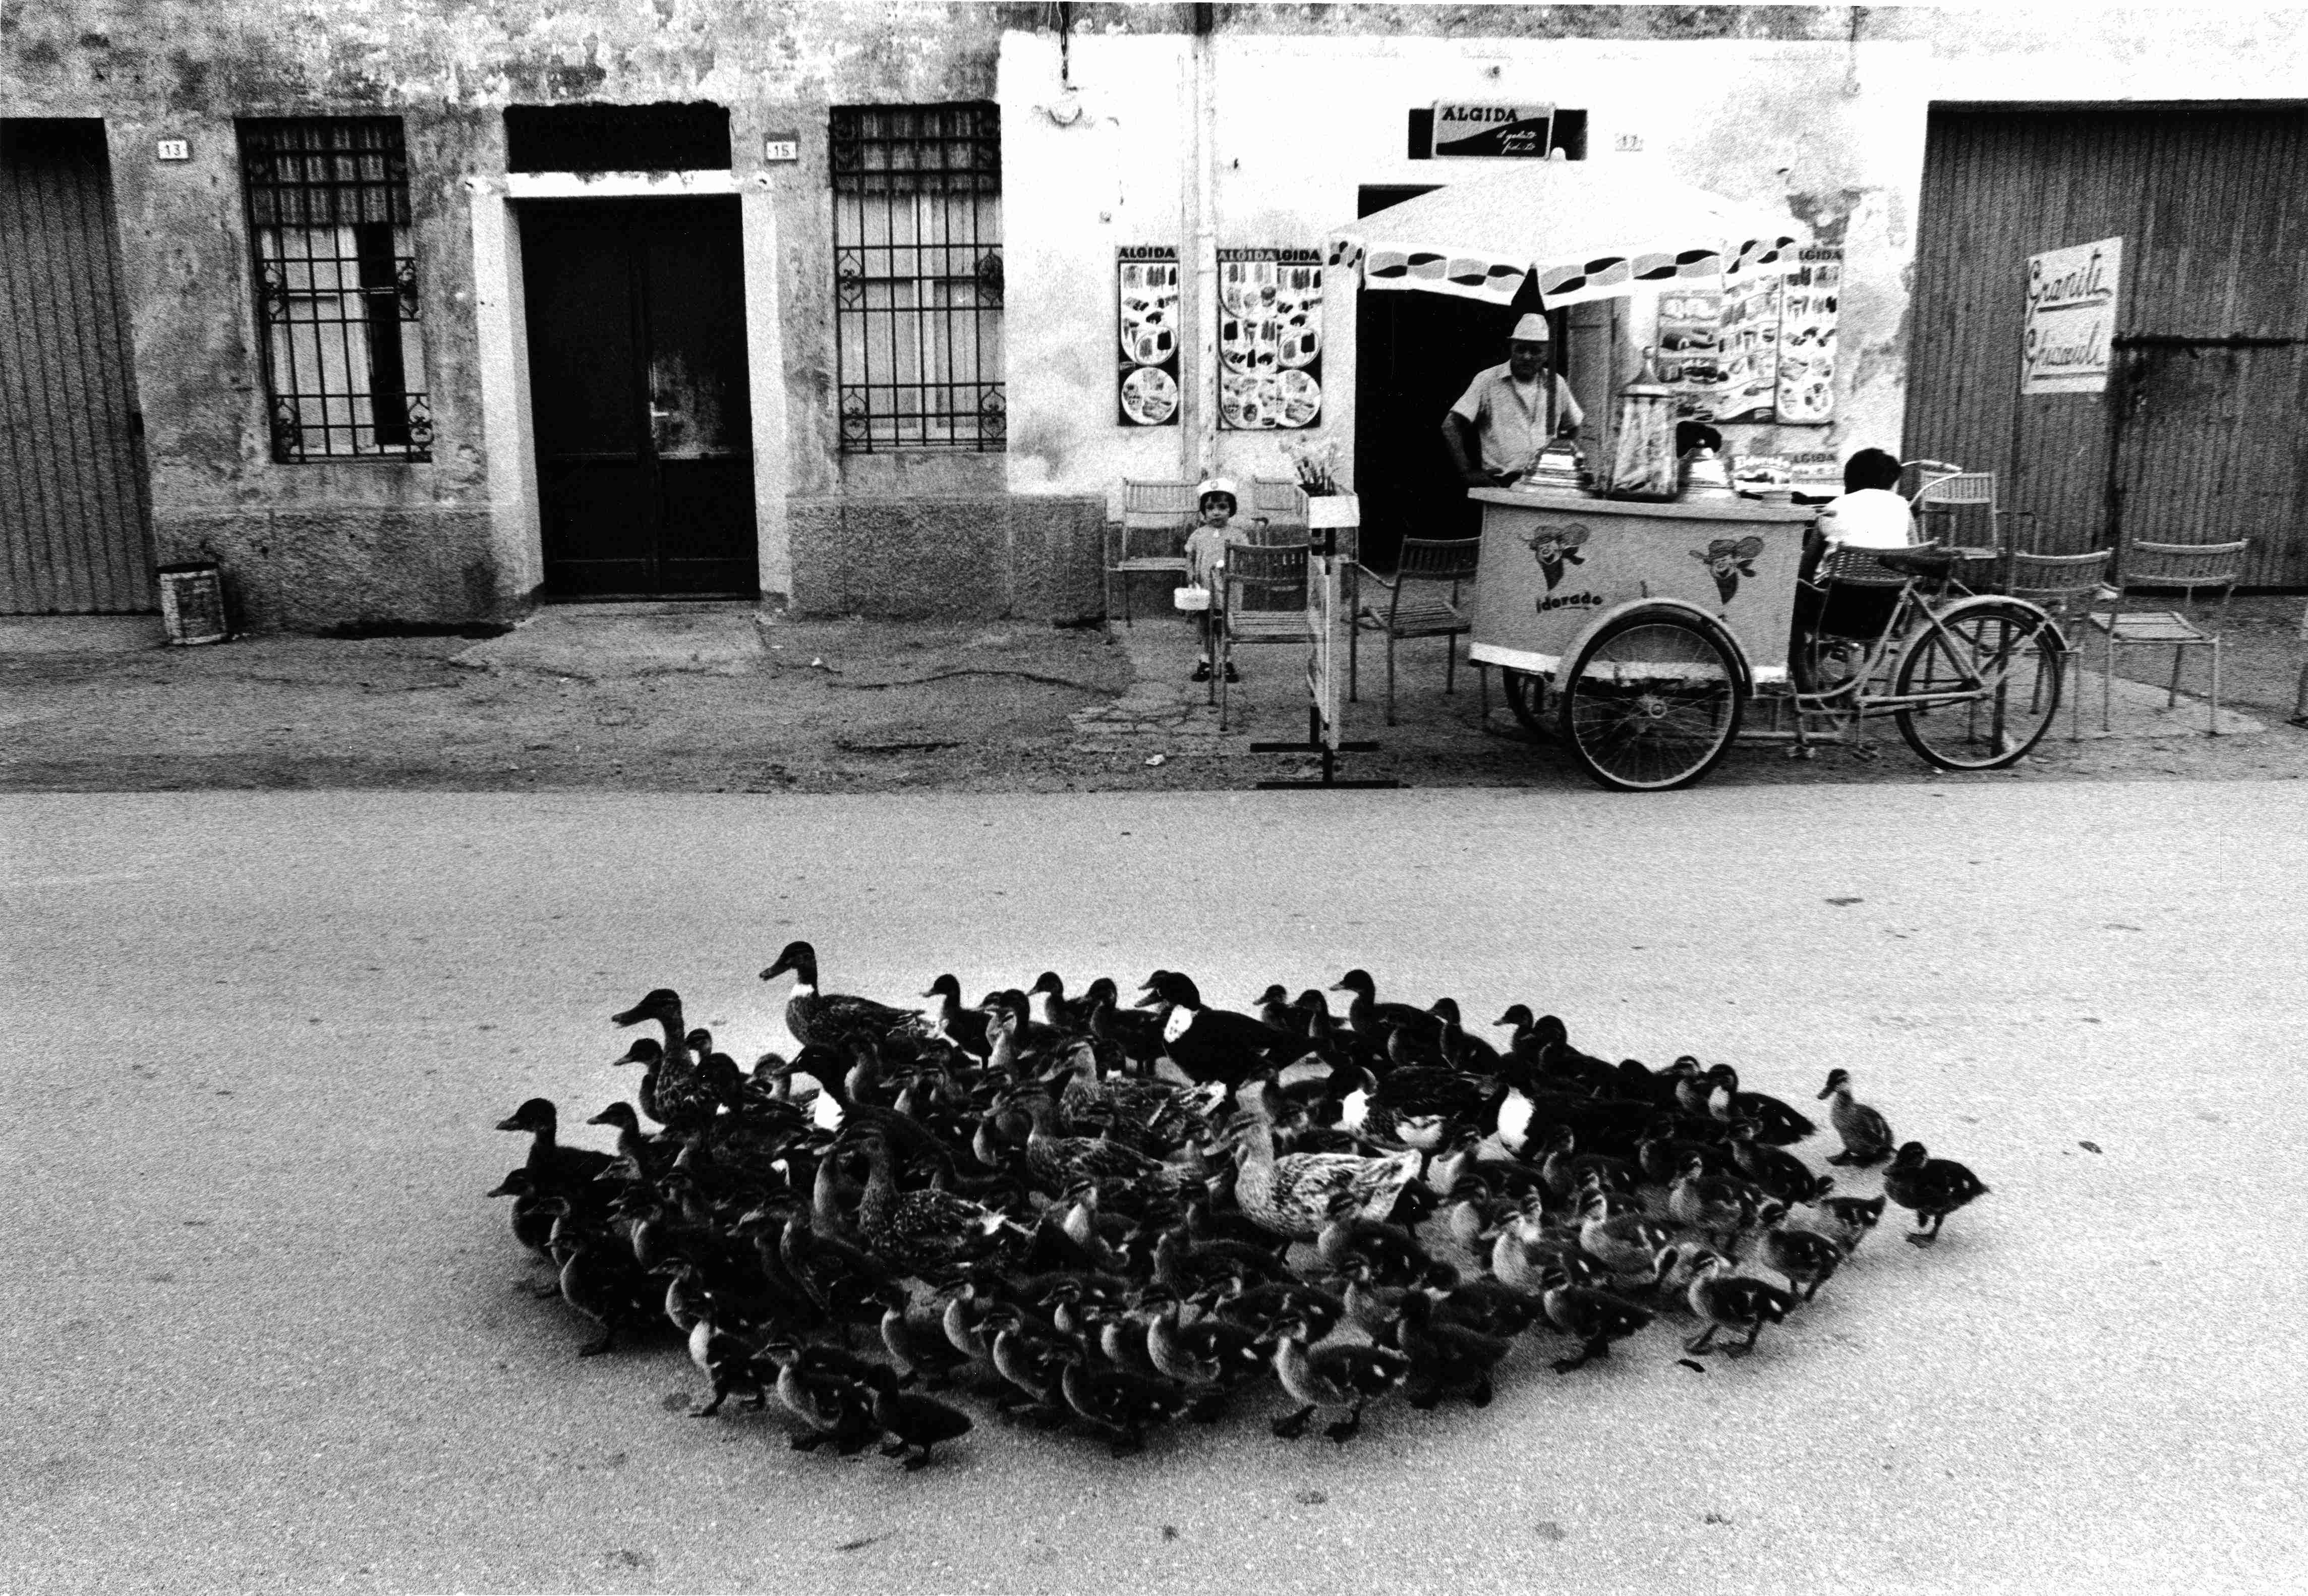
(1270, 339)
(1146, 318)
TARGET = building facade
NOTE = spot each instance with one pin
(420, 312)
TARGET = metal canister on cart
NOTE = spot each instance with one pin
(1643, 464)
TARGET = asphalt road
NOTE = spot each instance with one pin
(263, 1332)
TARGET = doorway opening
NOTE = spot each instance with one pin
(638, 387)
(1415, 355)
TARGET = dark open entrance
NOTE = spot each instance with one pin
(1415, 355)
(639, 387)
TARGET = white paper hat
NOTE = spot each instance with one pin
(1532, 329)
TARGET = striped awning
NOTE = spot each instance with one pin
(1589, 230)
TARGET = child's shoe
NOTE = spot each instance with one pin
(1202, 671)
(1232, 674)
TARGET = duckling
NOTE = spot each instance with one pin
(915, 1423)
(1343, 1376)
(1866, 1134)
(1118, 1404)
(1526, 1260)
(1662, 1151)
(648, 1053)
(1727, 1302)
(1776, 1124)
(1387, 1252)
(1444, 1357)
(1931, 1187)
(1029, 1362)
(1843, 1221)
(1805, 1258)
(1714, 1205)
(600, 1280)
(1777, 1171)
(651, 1156)
(1624, 1243)
(1209, 1355)
(1273, 1009)
(1488, 1305)
(1297, 1196)
(830, 1392)
(1210, 1044)
(815, 1016)
(1564, 1169)
(1593, 1318)
(1265, 1308)
(554, 1170)
(919, 1348)
(729, 1364)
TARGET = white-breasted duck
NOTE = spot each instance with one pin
(815, 1016)
(1209, 1044)
(1929, 1187)
(1866, 1134)
(1421, 1106)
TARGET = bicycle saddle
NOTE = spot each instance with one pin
(1928, 561)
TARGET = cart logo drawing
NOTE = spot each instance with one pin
(1555, 548)
(1728, 560)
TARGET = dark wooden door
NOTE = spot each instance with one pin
(75, 515)
(638, 387)
(2209, 448)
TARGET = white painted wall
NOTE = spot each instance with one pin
(1830, 130)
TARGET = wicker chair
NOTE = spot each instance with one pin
(2190, 567)
(1265, 586)
(1151, 539)
(1422, 598)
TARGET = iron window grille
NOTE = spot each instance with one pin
(336, 301)
(918, 277)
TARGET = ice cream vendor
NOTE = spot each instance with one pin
(1511, 412)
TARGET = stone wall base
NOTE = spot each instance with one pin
(998, 556)
(303, 570)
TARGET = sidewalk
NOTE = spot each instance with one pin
(723, 698)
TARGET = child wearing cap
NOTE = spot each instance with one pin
(1206, 559)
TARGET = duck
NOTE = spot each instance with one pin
(1485, 1304)
(554, 1170)
(919, 1349)
(1714, 1205)
(1527, 1260)
(1777, 1125)
(1343, 1374)
(1420, 1106)
(1146, 1113)
(1565, 1170)
(1373, 1021)
(1445, 1357)
(1210, 1044)
(672, 1093)
(1117, 1403)
(1057, 1162)
(815, 1016)
(925, 1230)
(1386, 1251)
(1662, 1151)
(1593, 1318)
(915, 1423)
(831, 1392)
(953, 1023)
(1807, 1258)
(1209, 1355)
(1844, 1220)
(729, 1364)
(1622, 1244)
(1029, 1359)
(1866, 1134)
(1734, 1302)
(1136, 1035)
(1777, 1171)
(1298, 1194)
(650, 1156)
(1266, 1307)
(1049, 1005)
(532, 1222)
(601, 1279)
(1460, 1048)
(1929, 1187)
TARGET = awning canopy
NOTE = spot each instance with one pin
(1589, 230)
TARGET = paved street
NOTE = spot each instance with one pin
(264, 1333)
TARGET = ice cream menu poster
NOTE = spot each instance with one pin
(1270, 339)
(1145, 319)
(1718, 350)
(1807, 313)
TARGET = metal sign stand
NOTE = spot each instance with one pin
(1323, 712)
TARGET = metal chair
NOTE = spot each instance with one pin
(2188, 566)
(1422, 600)
(1151, 537)
(2065, 585)
(1959, 509)
(1264, 589)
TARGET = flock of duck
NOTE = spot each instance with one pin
(1111, 1217)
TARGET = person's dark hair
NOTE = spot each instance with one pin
(1870, 468)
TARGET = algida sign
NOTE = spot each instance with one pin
(1493, 130)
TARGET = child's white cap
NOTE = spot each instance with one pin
(1224, 485)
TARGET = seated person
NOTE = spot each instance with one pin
(1206, 560)
(1870, 514)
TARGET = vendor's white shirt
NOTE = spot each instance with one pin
(1871, 518)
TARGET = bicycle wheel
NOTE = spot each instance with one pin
(1653, 700)
(2002, 658)
(1526, 695)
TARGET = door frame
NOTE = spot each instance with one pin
(501, 313)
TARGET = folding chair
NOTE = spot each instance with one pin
(2187, 567)
(1422, 600)
(1265, 586)
(2065, 585)
(1150, 539)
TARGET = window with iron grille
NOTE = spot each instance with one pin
(336, 287)
(918, 277)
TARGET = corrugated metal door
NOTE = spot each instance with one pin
(75, 520)
(2198, 438)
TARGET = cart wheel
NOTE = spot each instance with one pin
(2006, 654)
(1653, 700)
(1526, 695)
